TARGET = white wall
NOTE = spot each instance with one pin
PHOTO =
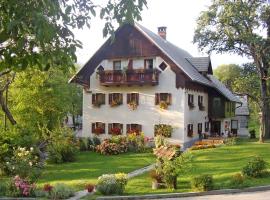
(147, 113)
(194, 115)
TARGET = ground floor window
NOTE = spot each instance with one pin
(134, 128)
(206, 126)
(190, 130)
(115, 99)
(200, 128)
(98, 99)
(98, 128)
(115, 128)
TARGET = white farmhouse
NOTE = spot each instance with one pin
(140, 80)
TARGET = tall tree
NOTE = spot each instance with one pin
(241, 27)
(228, 74)
(39, 32)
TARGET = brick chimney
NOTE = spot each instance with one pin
(162, 32)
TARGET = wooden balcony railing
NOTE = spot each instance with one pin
(129, 77)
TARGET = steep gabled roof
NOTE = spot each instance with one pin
(177, 55)
(220, 87)
(202, 64)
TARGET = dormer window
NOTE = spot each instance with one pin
(117, 65)
(148, 64)
(191, 100)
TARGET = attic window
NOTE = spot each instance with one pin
(162, 66)
(100, 68)
(117, 65)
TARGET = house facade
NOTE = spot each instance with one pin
(139, 81)
(240, 121)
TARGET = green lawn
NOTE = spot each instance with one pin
(221, 162)
(89, 166)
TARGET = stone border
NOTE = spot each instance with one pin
(188, 194)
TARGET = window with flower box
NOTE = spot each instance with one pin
(206, 126)
(190, 130)
(199, 128)
(134, 128)
(191, 100)
(115, 129)
(163, 100)
(98, 99)
(115, 99)
(98, 128)
(200, 103)
(133, 100)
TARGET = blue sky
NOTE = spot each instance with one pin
(178, 15)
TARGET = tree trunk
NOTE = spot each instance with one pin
(264, 130)
(6, 110)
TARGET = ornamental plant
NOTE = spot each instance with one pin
(132, 105)
(99, 130)
(116, 131)
(136, 142)
(20, 187)
(25, 164)
(113, 146)
(163, 105)
(90, 187)
(255, 167)
(202, 182)
(164, 130)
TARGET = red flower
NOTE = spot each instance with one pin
(90, 187)
(98, 130)
(47, 187)
(116, 131)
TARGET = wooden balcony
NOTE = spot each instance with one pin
(129, 77)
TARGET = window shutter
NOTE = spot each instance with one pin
(140, 127)
(157, 98)
(121, 98)
(93, 127)
(121, 127)
(128, 98)
(110, 99)
(128, 127)
(93, 98)
(109, 128)
(137, 98)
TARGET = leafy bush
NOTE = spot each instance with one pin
(112, 184)
(202, 182)
(25, 163)
(3, 189)
(113, 146)
(83, 144)
(96, 141)
(136, 142)
(237, 180)
(164, 130)
(231, 141)
(61, 191)
(255, 167)
(63, 147)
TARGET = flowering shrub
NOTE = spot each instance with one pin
(164, 130)
(116, 131)
(136, 141)
(47, 188)
(113, 146)
(112, 183)
(98, 130)
(20, 187)
(25, 163)
(90, 187)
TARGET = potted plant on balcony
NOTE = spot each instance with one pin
(116, 131)
(98, 130)
(163, 105)
(132, 105)
(115, 102)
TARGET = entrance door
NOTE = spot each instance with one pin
(215, 128)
